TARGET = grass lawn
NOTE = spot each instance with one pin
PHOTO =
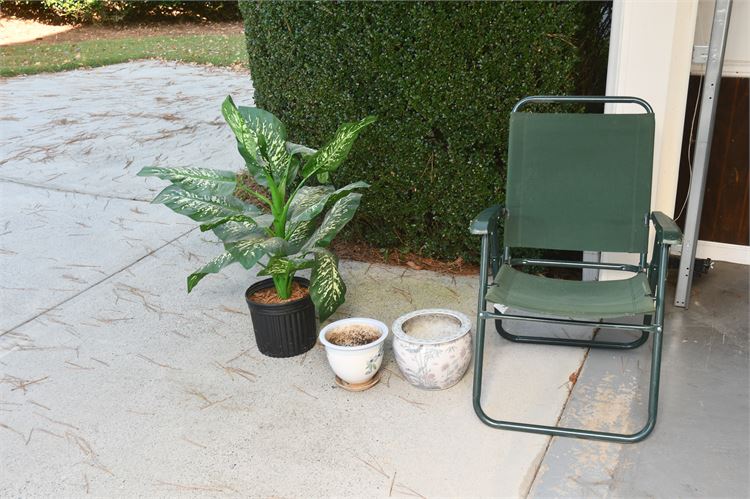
(32, 58)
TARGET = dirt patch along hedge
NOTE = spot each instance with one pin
(441, 77)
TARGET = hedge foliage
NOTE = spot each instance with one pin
(442, 79)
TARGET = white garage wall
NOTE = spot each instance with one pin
(650, 57)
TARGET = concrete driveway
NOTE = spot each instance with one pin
(115, 382)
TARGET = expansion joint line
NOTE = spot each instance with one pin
(97, 283)
(69, 191)
(560, 416)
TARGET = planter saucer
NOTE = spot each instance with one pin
(358, 387)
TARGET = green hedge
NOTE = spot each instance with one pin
(441, 77)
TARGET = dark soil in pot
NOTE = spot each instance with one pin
(285, 328)
(353, 335)
(268, 296)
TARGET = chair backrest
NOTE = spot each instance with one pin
(579, 181)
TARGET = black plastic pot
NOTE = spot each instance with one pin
(283, 329)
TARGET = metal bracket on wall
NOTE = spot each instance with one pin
(706, 119)
(700, 54)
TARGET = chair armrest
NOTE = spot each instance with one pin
(486, 221)
(666, 230)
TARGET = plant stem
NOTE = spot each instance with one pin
(283, 285)
(277, 210)
(289, 282)
(256, 194)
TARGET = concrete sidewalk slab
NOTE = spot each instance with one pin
(150, 391)
(54, 244)
(91, 131)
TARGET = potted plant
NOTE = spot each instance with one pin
(354, 348)
(289, 232)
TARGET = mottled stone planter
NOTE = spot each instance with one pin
(432, 347)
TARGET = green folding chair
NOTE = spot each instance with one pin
(576, 182)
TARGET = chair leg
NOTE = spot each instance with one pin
(653, 399)
(537, 340)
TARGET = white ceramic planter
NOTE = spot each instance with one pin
(357, 364)
(432, 347)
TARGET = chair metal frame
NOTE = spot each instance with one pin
(667, 233)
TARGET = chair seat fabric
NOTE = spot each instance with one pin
(574, 299)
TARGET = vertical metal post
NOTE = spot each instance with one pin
(706, 119)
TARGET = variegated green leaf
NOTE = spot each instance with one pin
(277, 266)
(203, 207)
(297, 151)
(297, 233)
(270, 137)
(248, 252)
(339, 215)
(247, 140)
(278, 161)
(330, 156)
(211, 267)
(324, 177)
(310, 201)
(277, 246)
(339, 193)
(200, 180)
(222, 221)
(327, 288)
(261, 120)
(302, 264)
(260, 221)
(285, 266)
(232, 232)
(293, 149)
(294, 166)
